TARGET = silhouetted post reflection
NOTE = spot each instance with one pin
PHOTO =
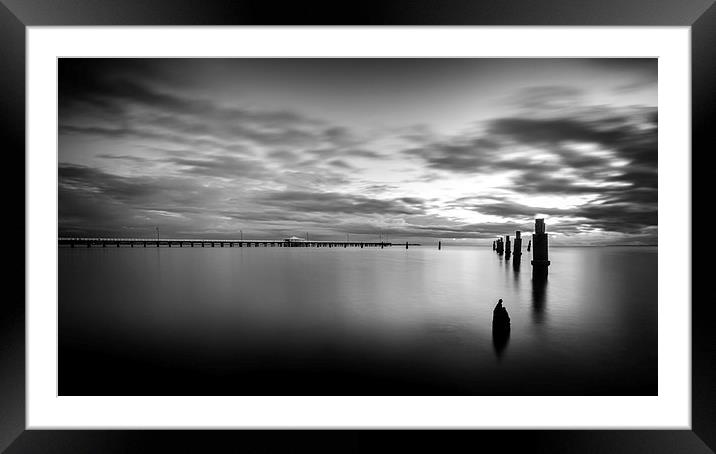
(539, 296)
(516, 263)
(500, 328)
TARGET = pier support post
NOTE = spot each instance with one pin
(518, 246)
(406, 245)
(508, 247)
(540, 255)
(440, 245)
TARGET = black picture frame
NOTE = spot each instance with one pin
(16, 15)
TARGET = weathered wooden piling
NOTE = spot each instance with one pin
(406, 245)
(540, 255)
(494, 245)
(508, 247)
(518, 245)
(500, 246)
(529, 245)
(440, 245)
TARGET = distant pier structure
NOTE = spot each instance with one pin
(200, 242)
(540, 256)
(508, 247)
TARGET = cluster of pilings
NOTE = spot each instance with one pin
(540, 261)
(498, 246)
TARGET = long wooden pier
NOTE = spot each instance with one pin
(193, 242)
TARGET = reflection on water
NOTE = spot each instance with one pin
(539, 296)
(275, 321)
(500, 339)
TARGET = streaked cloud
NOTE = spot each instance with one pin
(208, 147)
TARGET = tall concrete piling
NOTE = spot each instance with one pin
(508, 247)
(540, 255)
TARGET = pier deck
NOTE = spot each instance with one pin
(193, 242)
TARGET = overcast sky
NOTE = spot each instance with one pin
(418, 149)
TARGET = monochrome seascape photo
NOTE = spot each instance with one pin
(357, 226)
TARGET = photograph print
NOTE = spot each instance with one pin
(357, 226)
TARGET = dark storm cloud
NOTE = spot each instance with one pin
(127, 104)
(164, 193)
(153, 142)
(137, 159)
(547, 97)
(283, 155)
(624, 211)
(461, 155)
(120, 83)
(340, 164)
(333, 202)
(635, 86)
(222, 167)
(621, 177)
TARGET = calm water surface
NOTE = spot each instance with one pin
(295, 321)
